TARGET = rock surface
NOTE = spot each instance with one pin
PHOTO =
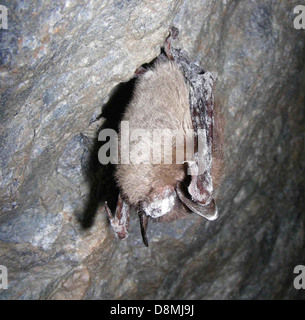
(60, 61)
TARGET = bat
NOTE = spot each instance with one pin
(175, 95)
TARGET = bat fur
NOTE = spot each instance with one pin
(161, 101)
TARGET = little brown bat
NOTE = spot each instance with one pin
(178, 95)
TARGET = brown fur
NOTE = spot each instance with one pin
(161, 102)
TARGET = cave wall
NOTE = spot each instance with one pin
(60, 62)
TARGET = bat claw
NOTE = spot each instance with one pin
(173, 32)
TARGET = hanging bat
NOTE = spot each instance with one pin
(174, 94)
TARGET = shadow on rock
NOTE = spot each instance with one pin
(101, 177)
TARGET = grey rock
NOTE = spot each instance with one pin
(60, 62)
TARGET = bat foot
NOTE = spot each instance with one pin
(120, 220)
(173, 34)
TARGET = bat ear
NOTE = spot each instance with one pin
(143, 224)
(208, 211)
